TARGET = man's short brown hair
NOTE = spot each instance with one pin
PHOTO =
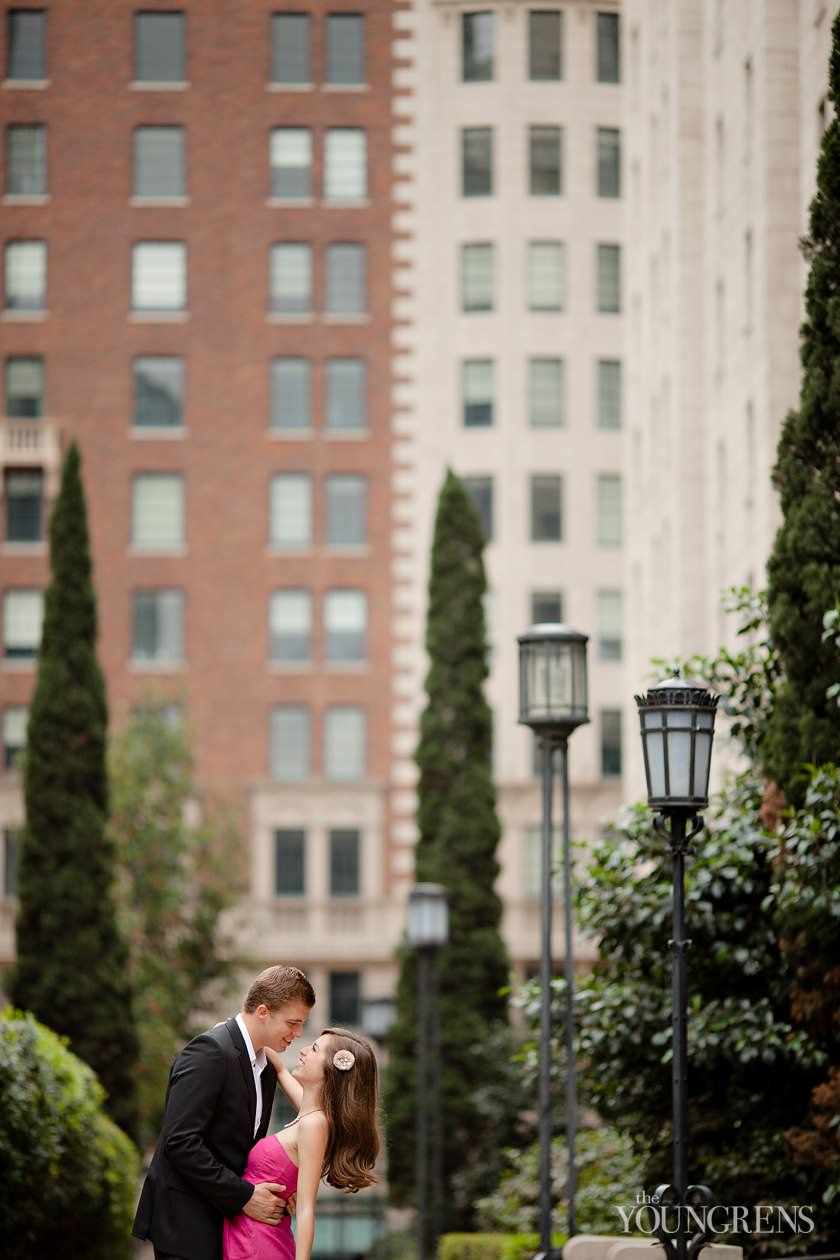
(278, 986)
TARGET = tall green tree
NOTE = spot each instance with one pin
(72, 960)
(804, 566)
(458, 838)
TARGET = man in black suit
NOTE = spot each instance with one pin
(218, 1104)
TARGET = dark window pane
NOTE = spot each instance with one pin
(289, 862)
(477, 161)
(26, 160)
(480, 490)
(545, 45)
(609, 55)
(611, 743)
(291, 52)
(344, 862)
(345, 999)
(159, 162)
(609, 162)
(158, 392)
(159, 46)
(291, 393)
(11, 857)
(477, 392)
(290, 626)
(290, 160)
(546, 161)
(546, 606)
(478, 32)
(24, 388)
(158, 625)
(346, 266)
(345, 48)
(546, 509)
(346, 510)
(26, 32)
(346, 401)
(15, 717)
(24, 495)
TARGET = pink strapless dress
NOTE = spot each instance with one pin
(244, 1239)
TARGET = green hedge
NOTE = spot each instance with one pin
(493, 1246)
(68, 1175)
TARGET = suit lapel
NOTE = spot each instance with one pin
(245, 1064)
(268, 1081)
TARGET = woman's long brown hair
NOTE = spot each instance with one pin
(350, 1100)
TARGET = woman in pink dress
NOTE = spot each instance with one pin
(334, 1089)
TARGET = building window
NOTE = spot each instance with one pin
(345, 743)
(477, 390)
(546, 276)
(346, 279)
(159, 276)
(608, 69)
(345, 49)
(533, 842)
(609, 510)
(609, 279)
(291, 394)
(546, 392)
(345, 863)
(157, 619)
(545, 161)
(345, 999)
(480, 491)
(290, 510)
(23, 614)
(24, 494)
(545, 45)
(290, 279)
(290, 163)
(476, 161)
(289, 862)
(159, 162)
(346, 510)
(478, 38)
(345, 627)
(609, 161)
(345, 164)
(24, 387)
(291, 49)
(158, 511)
(290, 740)
(26, 160)
(546, 508)
(346, 395)
(290, 627)
(159, 48)
(477, 278)
(14, 734)
(609, 393)
(546, 607)
(26, 275)
(26, 44)
(11, 857)
(611, 743)
(158, 392)
(610, 625)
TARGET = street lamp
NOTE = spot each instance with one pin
(677, 720)
(552, 701)
(427, 931)
(378, 1014)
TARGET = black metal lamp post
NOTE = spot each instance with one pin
(678, 724)
(378, 1014)
(553, 702)
(427, 931)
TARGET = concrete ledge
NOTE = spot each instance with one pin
(636, 1247)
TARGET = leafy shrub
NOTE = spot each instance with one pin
(68, 1175)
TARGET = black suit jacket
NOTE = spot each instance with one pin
(195, 1178)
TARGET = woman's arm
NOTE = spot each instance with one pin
(290, 1087)
(312, 1143)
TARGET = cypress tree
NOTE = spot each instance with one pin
(72, 961)
(457, 842)
(804, 566)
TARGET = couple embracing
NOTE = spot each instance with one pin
(219, 1187)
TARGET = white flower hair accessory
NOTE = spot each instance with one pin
(344, 1060)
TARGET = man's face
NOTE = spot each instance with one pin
(279, 1028)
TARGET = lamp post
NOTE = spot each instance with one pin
(553, 702)
(427, 931)
(378, 1014)
(677, 720)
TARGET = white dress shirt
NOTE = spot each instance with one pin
(258, 1062)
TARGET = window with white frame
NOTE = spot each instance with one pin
(608, 48)
(26, 275)
(290, 163)
(477, 393)
(477, 276)
(26, 160)
(345, 626)
(23, 615)
(289, 862)
(157, 621)
(608, 506)
(545, 161)
(26, 45)
(610, 391)
(609, 279)
(290, 627)
(608, 140)
(345, 861)
(345, 164)
(290, 510)
(346, 278)
(290, 743)
(24, 496)
(158, 511)
(546, 508)
(159, 47)
(545, 45)
(14, 734)
(24, 387)
(159, 162)
(159, 276)
(478, 39)
(158, 392)
(546, 392)
(345, 743)
(345, 49)
(290, 278)
(546, 275)
(346, 395)
(291, 49)
(346, 510)
(291, 394)
(476, 161)
(610, 625)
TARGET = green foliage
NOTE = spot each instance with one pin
(804, 566)
(178, 880)
(459, 835)
(72, 960)
(68, 1175)
(492, 1246)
